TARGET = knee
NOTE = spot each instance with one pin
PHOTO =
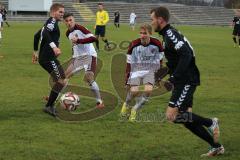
(89, 78)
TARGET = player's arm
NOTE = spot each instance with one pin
(105, 21)
(89, 37)
(49, 27)
(37, 36)
(184, 52)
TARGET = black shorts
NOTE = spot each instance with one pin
(100, 30)
(182, 96)
(54, 68)
(116, 20)
(236, 32)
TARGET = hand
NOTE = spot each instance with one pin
(168, 85)
(171, 113)
(74, 40)
(56, 51)
(34, 57)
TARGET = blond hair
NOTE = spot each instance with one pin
(147, 27)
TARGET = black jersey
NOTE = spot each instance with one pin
(236, 21)
(180, 57)
(116, 16)
(49, 36)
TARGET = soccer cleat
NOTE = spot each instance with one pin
(214, 130)
(100, 105)
(50, 110)
(133, 116)
(125, 111)
(214, 152)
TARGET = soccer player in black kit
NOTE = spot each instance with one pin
(185, 77)
(48, 53)
(236, 30)
(117, 19)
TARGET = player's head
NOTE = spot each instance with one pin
(57, 11)
(160, 18)
(145, 33)
(100, 6)
(69, 20)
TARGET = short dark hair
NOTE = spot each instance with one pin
(55, 6)
(100, 4)
(161, 12)
(67, 14)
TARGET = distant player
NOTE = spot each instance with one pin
(49, 51)
(132, 20)
(144, 57)
(185, 77)
(117, 19)
(102, 19)
(84, 54)
(236, 30)
(4, 15)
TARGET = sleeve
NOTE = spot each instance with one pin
(182, 49)
(49, 27)
(89, 37)
(106, 18)
(37, 36)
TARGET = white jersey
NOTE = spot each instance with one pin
(145, 58)
(132, 17)
(85, 45)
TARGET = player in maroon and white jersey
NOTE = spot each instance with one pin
(144, 58)
(84, 54)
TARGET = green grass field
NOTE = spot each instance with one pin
(26, 133)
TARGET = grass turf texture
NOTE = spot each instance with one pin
(27, 133)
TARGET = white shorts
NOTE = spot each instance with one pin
(87, 62)
(141, 78)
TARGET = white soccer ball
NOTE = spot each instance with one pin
(70, 101)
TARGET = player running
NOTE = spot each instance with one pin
(84, 54)
(185, 77)
(144, 57)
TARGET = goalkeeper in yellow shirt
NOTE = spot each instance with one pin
(102, 19)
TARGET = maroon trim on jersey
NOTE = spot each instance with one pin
(133, 44)
(84, 31)
(156, 42)
(87, 40)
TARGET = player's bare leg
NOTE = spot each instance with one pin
(140, 101)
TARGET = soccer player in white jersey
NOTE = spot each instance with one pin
(144, 58)
(132, 20)
(84, 54)
(1, 27)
